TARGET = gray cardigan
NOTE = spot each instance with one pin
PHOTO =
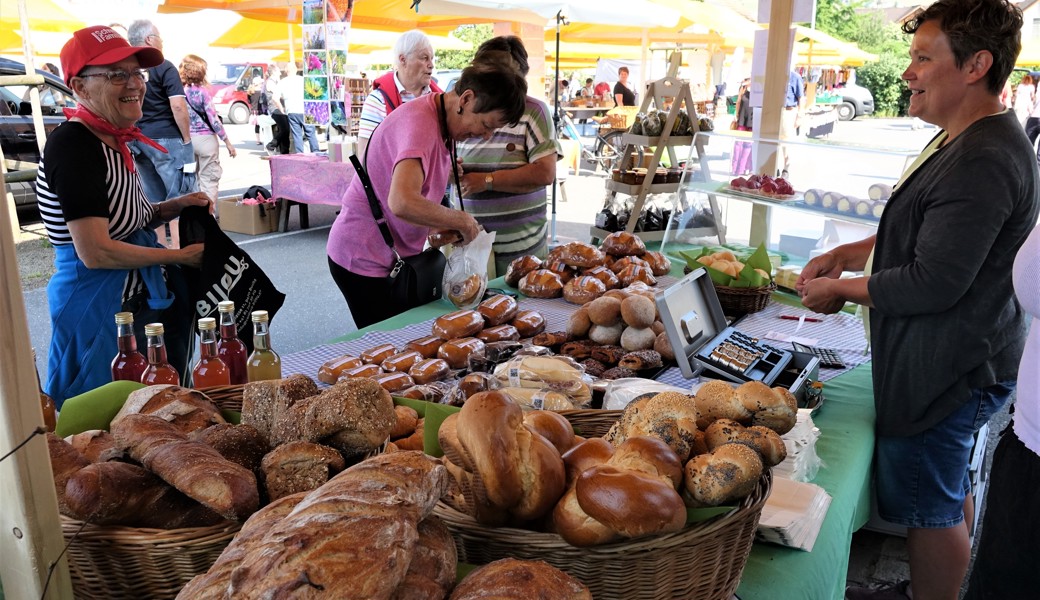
(945, 318)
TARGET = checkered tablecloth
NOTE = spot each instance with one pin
(842, 332)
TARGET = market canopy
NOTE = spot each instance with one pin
(814, 47)
(253, 34)
(50, 26)
(630, 13)
(1030, 55)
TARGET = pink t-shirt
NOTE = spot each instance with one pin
(411, 131)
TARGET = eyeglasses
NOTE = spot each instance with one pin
(120, 77)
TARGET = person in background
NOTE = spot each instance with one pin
(742, 121)
(410, 79)
(165, 120)
(506, 174)
(273, 95)
(1025, 98)
(1005, 560)
(1032, 124)
(589, 90)
(623, 94)
(410, 163)
(291, 90)
(565, 91)
(257, 103)
(52, 69)
(790, 119)
(206, 129)
(98, 219)
(120, 29)
(945, 328)
(602, 90)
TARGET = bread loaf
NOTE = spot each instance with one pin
(427, 346)
(188, 410)
(623, 243)
(541, 283)
(213, 585)
(367, 370)
(394, 382)
(377, 354)
(351, 538)
(584, 289)
(429, 370)
(512, 579)
(354, 416)
(331, 370)
(65, 462)
(241, 444)
(498, 309)
(728, 473)
(634, 273)
(194, 468)
(118, 493)
(499, 333)
(97, 445)
(585, 455)
(580, 254)
(520, 267)
(263, 401)
(402, 361)
(456, 352)
(299, 467)
(458, 324)
(659, 263)
(432, 570)
(528, 323)
(563, 270)
(621, 264)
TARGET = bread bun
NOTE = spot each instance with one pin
(623, 243)
(553, 427)
(456, 352)
(428, 393)
(520, 267)
(768, 443)
(605, 275)
(498, 309)
(467, 292)
(407, 418)
(401, 361)
(377, 354)
(513, 579)
(663, 346)
(362, 371)
(528, 323)
(587, 454)
(427, 346)
(727, 474)
(458, 324)
(579, 254)
(668, 416)
(650, 456)
(608, 335)
(716, 400)
(604, 311)
(541, 283)
(474, 383)
(393, 382)
(658, 262)
(584, 289)
(499, 333)
(638, 311)
(578, 323)
(621, 264)
(330, 371)
(769, 407)
(428, 370)
(631, 503)
(634, 273)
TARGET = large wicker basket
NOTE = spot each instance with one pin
(133, 562)
(742, 301)
(703, 561)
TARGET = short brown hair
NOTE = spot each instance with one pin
(506, 43)
(975, 25)
(497, 84)
(193, 70)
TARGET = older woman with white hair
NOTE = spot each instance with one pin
(410, 79)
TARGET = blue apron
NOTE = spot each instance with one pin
(83, 303)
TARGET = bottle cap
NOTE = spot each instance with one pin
(226, 306)
(259, 316)
(209, 323)
(153, 329)
(124, 318)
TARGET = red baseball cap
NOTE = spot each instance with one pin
(101, 45)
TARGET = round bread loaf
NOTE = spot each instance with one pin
(658, 262)
(401, 361)
(528, 323)
(584, 289)
(499, 333)
(605, 275)
(427, 346)
(520, 579)
(541, 283)
(631, 503)
(638, 311)
(520, 267)
(498, 309)
(580, 254)
(458, 324)
(605, 311)
(456, 352)
(377, 354)
(466, 292)
(608, 335)
(623, 243)
(634, 339)
(727, 474)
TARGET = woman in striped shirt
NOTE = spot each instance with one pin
(97, 217)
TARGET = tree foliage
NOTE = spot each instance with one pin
(460, 59)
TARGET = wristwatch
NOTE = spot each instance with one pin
(489, 181)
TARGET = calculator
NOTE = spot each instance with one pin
(738, 354)
(829, 359)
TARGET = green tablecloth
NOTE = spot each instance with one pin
(846, 448)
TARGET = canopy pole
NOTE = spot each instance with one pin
(556, 122)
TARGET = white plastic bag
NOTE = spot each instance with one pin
(465, 275)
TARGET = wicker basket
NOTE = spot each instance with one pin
(133, 562)
(703, 561)
(741, 301)
(107, 561)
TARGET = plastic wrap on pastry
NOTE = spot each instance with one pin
(541, 283)
(557, 373)
(580, 254)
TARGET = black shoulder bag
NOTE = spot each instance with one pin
(414, 280)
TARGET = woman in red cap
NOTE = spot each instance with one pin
(101, 225)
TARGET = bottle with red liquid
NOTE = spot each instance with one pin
(230, 348)
(159, 369)
(210, 370)
(129, 364)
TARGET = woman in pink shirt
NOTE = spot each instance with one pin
(409, 159)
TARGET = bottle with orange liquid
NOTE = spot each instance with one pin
(230, 348)
(264, 363)
(129, 363)
(210, 370)
(159, 369)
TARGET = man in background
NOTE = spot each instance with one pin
(291, 91)
(794, 107)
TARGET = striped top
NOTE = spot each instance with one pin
(79, 176)
(374, 110)
(519, 220)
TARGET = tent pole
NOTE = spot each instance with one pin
(556, 122)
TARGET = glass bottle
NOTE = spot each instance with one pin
(264, 363)
(210, 370)
(129, 363)
(230, 348)
(159, 370)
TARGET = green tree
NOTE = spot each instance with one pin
(884, 80)
(460, 59)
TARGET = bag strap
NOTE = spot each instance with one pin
(377, 211)
(204, 117)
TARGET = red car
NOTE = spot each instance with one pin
(230, 90)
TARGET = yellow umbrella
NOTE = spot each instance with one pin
(49, 26)
(1030, 55)
(268, 35)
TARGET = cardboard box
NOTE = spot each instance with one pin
(251, 219)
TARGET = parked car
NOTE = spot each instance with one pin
(446, 79)
(17, 134)
(229, 89)
(856, 101)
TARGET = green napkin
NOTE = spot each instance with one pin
(94, 409)
(434, 413)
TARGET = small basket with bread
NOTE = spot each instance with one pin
(744, 285)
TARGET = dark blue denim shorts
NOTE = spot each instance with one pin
(921, 480)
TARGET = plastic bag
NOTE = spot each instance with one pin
(621, 392)
(465, 276)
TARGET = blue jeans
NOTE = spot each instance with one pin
(921, 480)
(162, 173)
(297, 127)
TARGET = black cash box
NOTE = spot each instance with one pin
(705, 345)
